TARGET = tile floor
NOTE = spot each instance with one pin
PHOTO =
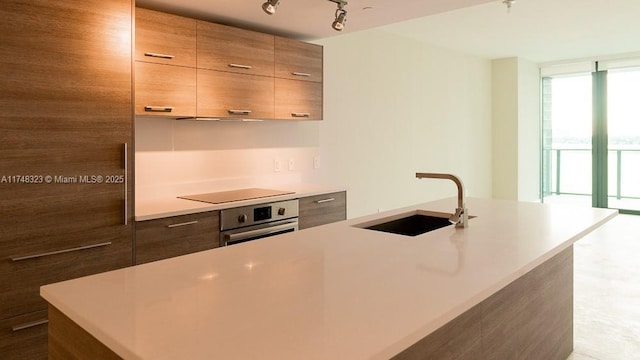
(607, 292)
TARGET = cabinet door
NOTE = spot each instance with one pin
(177, 235)
(224, 94)
(298, 60)
(322, 209)
(226, 48)
(65, 118)
(24, 337)
(165, 39)
(298, 100)
(165, 90)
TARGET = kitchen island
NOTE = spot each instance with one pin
(501, 288)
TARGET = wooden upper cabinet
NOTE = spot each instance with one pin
(298, 100)
(165, 90)
(230, 95)
(298, 60)
(226, 48)
(164, 38)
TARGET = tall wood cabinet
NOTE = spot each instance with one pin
(65, 154)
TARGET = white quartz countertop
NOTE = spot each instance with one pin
(150, 209)
(330, 292)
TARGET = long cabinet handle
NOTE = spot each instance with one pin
(231, 238)
(29, 325)
(300, 74)
(27, 257)
(239, 112)
(324, 200)
(300, 114)
(157, 55)
(183, 224)
(152, 108)
(126, 183)
(240, 66)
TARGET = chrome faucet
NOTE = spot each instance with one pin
(461, 216)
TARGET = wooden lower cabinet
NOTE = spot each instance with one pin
(298, 100)
(322, 209)
(24, 337)
(177, 235)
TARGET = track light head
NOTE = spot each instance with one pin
(270, 6)
(341, 15)
(341, 18)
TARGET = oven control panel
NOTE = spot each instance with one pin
(258, 214)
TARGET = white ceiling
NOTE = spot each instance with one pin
(537, 30)
(307, 19)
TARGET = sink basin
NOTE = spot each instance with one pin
(409, 224)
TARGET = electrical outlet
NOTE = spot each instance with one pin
(316, 162)
(292, 164)
(277, 165)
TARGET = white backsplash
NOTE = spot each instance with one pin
(176, 157)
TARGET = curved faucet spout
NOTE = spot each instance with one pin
(461, 216)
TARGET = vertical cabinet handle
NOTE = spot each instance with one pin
(29, 325)
(157, 55)
(126, 183)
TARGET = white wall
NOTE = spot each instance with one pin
(528, 131)
(505, 128)
(178, 157)
(516, 129)
(394, 107)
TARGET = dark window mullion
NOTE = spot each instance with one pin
(600, 141)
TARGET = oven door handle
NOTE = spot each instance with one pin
(231, 238)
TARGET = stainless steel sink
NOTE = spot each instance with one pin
(409, 224)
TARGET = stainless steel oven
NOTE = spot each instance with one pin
(257, 221)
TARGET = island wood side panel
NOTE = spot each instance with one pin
(531, 318)
(68, 341)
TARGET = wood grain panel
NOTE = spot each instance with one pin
(166, 86)
(219, 92)
(19, 341)
(65, 110)
(221, 45)
(68, 341)
(20, 280)
(296, 57)
(316, 210)
(177, 235)
(531, 318)
(458, 340)
(166, 34)
(298, 100)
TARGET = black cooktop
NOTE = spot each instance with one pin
(235, 195)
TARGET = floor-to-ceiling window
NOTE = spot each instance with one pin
(591, 137)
